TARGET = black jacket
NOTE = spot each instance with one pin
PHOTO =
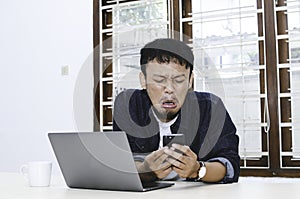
(208, 128)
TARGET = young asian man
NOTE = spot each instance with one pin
(167, 105)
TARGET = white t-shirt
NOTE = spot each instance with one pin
(164, 128)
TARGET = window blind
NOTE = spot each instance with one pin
(225, 43)
(293, 15)
(135, 24)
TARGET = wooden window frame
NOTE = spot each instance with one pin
(271, 140)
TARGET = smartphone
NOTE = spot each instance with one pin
(168, 140)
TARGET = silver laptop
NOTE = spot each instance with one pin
(99, 160)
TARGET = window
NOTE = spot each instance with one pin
(247, 52)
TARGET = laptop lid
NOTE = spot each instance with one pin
(100, 160)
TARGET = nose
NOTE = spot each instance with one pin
(169, 87)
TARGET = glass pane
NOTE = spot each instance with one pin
(134, 25)
(225, 43)
(293, 12)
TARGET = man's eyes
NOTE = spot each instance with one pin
(179, 80)
(159, 80)
(176, 80)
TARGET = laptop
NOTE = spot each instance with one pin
(98, 160)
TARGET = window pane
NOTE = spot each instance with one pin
(293, 11)
(225, 42)
(135, 24)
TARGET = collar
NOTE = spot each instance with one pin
(164, 124)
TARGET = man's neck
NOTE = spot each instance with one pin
(164, 119)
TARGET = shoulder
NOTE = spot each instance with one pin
(131, 94)
(134, 99)
(204, 97)
(132, 105)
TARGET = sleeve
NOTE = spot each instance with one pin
(226, 149)
(221, 141)
(229, 168)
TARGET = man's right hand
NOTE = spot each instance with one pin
(156, 163)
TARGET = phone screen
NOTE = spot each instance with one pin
(168, 140)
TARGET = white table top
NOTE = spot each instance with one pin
(13, 186)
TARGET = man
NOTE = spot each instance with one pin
(166, 105)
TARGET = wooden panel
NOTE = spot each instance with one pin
(262, 162)
(285, 106)
(96, 63)
(281, 23)
(284, 76)
(107, 91)
(107, 42)
(272, 82)
(107, 67)
(271, 172)
(106, 19)
(110, 2)
(261, 52)
(288, 161)
(107, 115)
(260, 24)
(186, 8)
(281, 3)
(283, 51)
(286, 137)
(262, 82)
(187, 31)
(175, 21)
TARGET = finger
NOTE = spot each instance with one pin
(180, 172)
(161, 158)
(177, 170)
(185, 149)
(176, 163)
(173, 153)
(156, 154)
(164, 173)
(161, 162)
(165, 165)
(161, 167)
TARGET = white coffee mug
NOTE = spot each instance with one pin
(37, 173)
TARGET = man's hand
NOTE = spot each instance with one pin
(184, 161)
(156, 162)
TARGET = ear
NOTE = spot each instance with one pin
(142, 80)
(191, 80)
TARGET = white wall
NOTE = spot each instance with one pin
(37, 38)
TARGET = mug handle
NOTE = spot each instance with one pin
(24, 171)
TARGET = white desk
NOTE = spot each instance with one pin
(13, 186)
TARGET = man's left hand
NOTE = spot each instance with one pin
(184, 161)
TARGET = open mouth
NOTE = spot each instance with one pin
(169, 104)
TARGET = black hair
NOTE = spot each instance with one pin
(165, 51)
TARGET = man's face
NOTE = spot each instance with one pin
(167, 85)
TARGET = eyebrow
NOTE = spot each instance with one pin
(157, 75)
(162, 76)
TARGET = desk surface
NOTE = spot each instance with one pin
(13, 186)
